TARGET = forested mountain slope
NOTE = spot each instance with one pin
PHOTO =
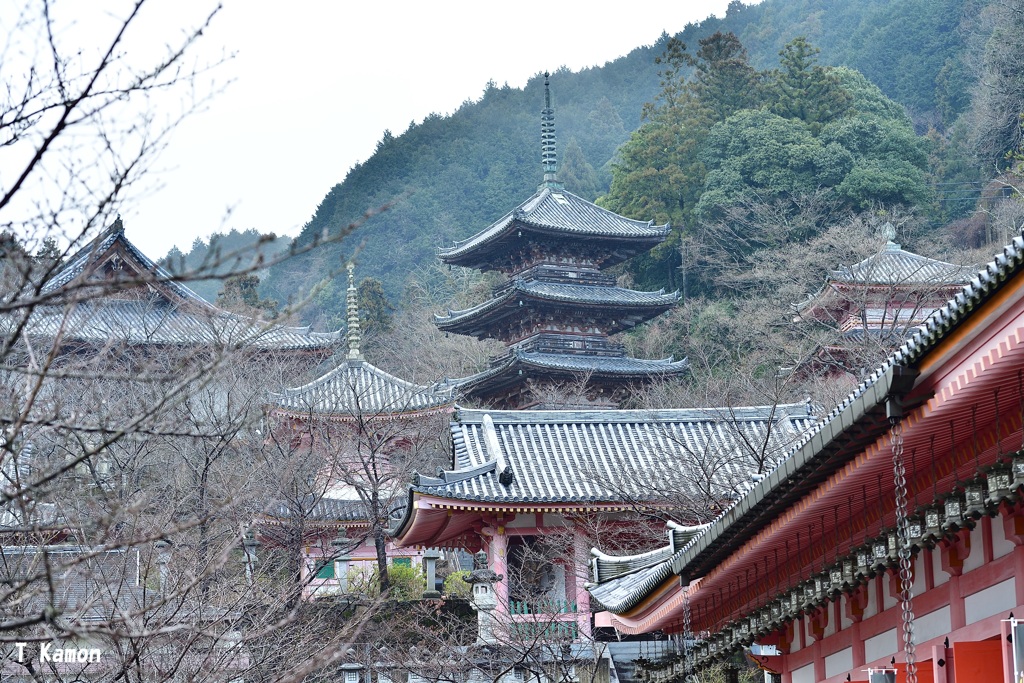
(448, 177)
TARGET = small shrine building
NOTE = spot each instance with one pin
(358, 420)
(876, 304)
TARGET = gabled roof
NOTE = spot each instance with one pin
(630, 303)
(152, 309)
(894, 266)
(112, 241)
(822, 450)
(559, 456)
(557, 213)
(356, 388)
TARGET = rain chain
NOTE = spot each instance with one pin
(903, 541)
(688, 674)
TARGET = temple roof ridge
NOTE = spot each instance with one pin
(92, 253)
(151, 308)
(618, 454)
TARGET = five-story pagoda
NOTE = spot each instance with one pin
(557, 309)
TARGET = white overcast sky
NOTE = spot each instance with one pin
(315, 83)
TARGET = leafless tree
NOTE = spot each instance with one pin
(133, 462)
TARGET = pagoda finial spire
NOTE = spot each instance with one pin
(548, 155)
(353, 335)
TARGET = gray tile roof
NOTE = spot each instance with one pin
(834, 439)
(561, 212)
(894, 266)
(88, 256)
(621, 368)
(83, 584)
(357, 388)
(154, 309)
(156, 321)
(329, 510)
(608, 456)
(616, 298)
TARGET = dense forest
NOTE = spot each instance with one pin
(777, 127)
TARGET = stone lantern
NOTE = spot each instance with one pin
(485, 601)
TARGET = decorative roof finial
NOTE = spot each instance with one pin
(889, 233)
(353, 335)
(548, 155)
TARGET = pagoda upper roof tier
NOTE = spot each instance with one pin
(894, 266)
(358, 389)
(620, 308)
(109, 292)
(556, 214)
(581, 458)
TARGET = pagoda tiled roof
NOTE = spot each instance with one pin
(558, 212)
(357, 388)
(894, 266)
(854, 421)
(325, 509)
(619, 368)
(560, 293)
(570, 456)
(152, 309)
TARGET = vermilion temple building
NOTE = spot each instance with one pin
(898, 520)
(557, 309)
(876, 304)
(532, 488)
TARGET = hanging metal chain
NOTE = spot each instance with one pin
(688, 674)
(903, 543)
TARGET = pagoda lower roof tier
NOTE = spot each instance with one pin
(509, 373)
(555, 216)
(613, 309)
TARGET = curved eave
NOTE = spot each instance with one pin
(659, 368)
(314, 415)
(441, 520)
(488, 255)
(640, 307)
(477, 251)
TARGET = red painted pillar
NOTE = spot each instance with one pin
(497, 552)
(856, 603)
(954, 551)
(817, 621)
(579, 570)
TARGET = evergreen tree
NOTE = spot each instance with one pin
(724, 82)
(576, 172)
(803, 90)
(375, 311)
(241, 295)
